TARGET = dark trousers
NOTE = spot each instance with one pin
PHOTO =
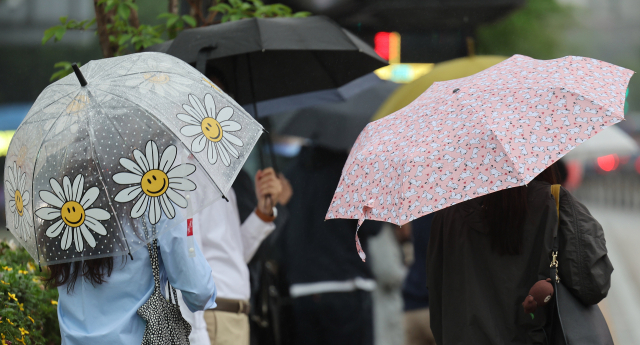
(335, 318)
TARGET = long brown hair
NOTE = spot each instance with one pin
(505, 212)
(95, 271)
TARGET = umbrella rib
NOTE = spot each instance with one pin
(324, 67)
(33, 175)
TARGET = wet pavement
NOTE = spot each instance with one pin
(622, 305)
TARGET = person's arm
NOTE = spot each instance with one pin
(260, 223)
(584, 266)
(435, 273)
(191, 275)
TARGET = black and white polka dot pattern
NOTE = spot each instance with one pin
(165, 324)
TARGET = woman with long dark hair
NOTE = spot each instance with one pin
(99, 298)
(485, 254)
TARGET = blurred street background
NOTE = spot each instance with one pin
(414, 36)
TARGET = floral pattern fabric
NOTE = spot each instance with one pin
(467, 137)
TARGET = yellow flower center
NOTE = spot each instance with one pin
(155, 183)
(77, 104)
(211, 129)
(19, 203)
(72, 214)
(156, 78)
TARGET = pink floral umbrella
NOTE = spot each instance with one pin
(471, 136)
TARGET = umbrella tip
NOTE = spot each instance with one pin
(76, 69)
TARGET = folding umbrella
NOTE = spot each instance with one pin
(471, 136)
(142, 143)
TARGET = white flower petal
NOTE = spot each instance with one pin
(50, 199)
(88, 236)
(212, 154)
(198, 144)
(167, 207)
(97, 214)
(152, 155)
(128, 194)
(127, 178)
(26, 197)
(168, 157)
(12, 206)
(195, 102)
(68, 190)
(182, 170)
(77, 238)
(210, 105)
(176, 198)
(230, 126)
(55, 229)
(57, 189)
(190, 130)
(193, 112)
(89, 197)
(48, 213)
(78, 186)
(142, 160)
(67, 238)
(224, 114)
(131, 166)
(27, 218)
(233, 139)
(232, 150)
(140, 206)
(95, 225)
(189, 119)
(10, 188)
(223, 154)
(181, 184)
(154, 211)
(23, 181)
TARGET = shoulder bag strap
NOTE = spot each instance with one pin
(555, 191)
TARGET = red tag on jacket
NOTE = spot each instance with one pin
(190, 227)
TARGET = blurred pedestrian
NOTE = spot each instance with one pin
(329, 284)
(486, 253)
(388, 268)
(414, 291)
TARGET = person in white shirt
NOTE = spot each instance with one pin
(228, 246)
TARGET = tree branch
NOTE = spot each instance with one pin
(102, 20)
(174, 6)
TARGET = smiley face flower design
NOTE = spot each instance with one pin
(71, 204)
(154, 178)
(212, 131)
(18, 199)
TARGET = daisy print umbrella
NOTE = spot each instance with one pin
(124, 146)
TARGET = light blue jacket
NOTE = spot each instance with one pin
(107, 313)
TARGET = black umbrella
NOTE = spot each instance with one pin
(335, 125)
(266, 58)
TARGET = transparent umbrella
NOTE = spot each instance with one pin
(143, 143)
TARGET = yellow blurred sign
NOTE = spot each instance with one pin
(5, 140)
(403, 72)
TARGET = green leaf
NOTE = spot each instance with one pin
(166, 15)
(301, 14)
(48, 34)
(124, 11)
(172, 21)
(60, 33)
(63, 20)
(189, 20)
(123, 39)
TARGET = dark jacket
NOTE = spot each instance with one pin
(476, 295)
(414, 290)
(318, 250)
